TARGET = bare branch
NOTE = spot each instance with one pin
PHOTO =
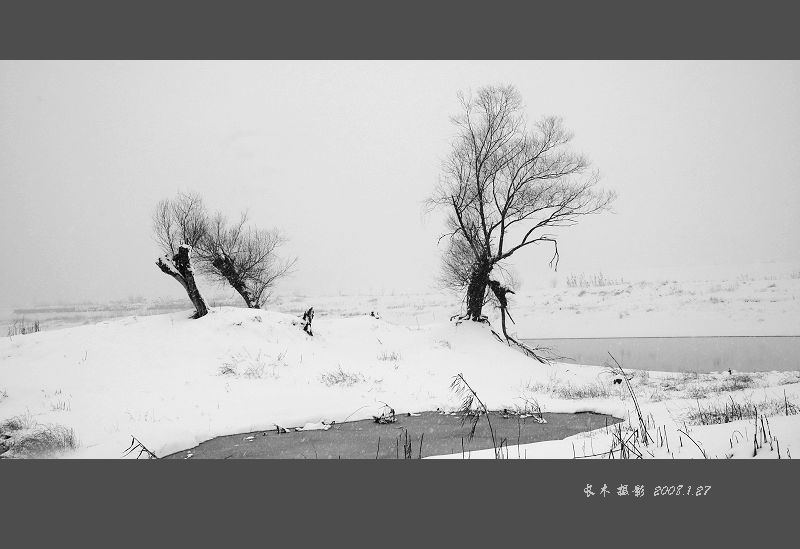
(245, 257)
(501, 175)
(177, 221)
(179, 225)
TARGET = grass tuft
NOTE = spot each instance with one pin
(17, 423)
(250, 367)
(28, 439)
(341, 377)
(789, 377)
(20, 327)
(60, 406)
(697, 386)
(568, 391)
(727, 411)
(44, 441)
(394, 356)
(595, 280)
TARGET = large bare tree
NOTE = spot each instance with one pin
(179, 226)
(245, 257)
(505, 185)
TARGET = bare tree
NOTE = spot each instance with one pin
(179, 226)
(503, 185)
(245, 257)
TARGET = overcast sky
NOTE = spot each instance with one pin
(705, 157)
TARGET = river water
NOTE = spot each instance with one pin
(680, 354)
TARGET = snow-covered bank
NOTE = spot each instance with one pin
(709, 303)
(672, 424)
(173, 382)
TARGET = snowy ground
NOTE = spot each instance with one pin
(757, 300)
(745, 305)
(173, 382)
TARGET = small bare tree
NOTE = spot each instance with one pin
(179, 226)
(503, 185)
(244, 257)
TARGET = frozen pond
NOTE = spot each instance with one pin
(679, 354)
(427, 433)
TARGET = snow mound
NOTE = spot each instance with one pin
(172, 382)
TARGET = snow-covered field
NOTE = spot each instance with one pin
(758, 300)
(173, 382)
(761, 299)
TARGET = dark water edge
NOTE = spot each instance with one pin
(432, 433)
(681, 354)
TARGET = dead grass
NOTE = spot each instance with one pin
(595, 281)
(725, 287)
(61, 406)
(695, 385)
(677, 383)
(641, 377)
(568, 391)
(43, 441)
(709, 387)
(531, 408)
(789, 377)
(29, 439)
(228, 369)
(695, 391)
(657, 395)
(17, 423)
(252, 367)
(393, 356)
(725, 411)
(341, 377)
(20, 327)
(735, 382)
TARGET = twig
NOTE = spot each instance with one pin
(635, 401)
(467, 404)
(695, 443)
(137, 445)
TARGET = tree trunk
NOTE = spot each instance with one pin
(501, 293)
(180, 268)
(308, 316)
(476, 291)
(226, 268)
